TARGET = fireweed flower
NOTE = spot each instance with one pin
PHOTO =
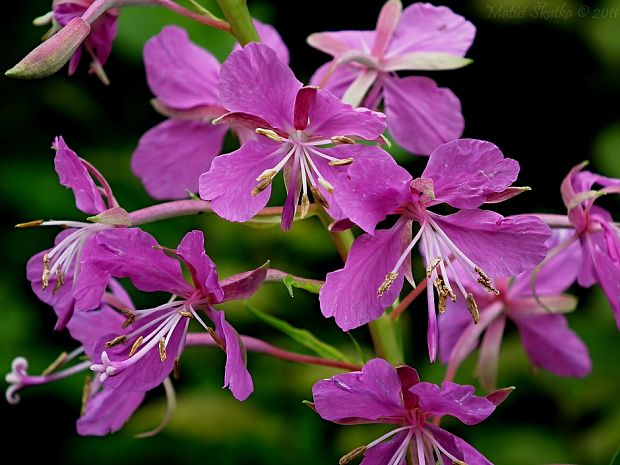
(104, 411)
(53, 272)
(144, 352)
(545, 334)
(381, 393)
(183, 76)
(297, 123)
(463, 174)
(598, 234)
(423, 37)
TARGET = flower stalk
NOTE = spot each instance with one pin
(238, 15)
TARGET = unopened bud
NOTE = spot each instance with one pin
(52, 54)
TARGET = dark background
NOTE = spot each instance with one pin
(543, 87)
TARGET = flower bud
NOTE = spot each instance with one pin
(52, 54)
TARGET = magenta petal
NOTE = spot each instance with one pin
(339, 42)
(191, 249)
(88, 327)
(330, 117)
(350, 294)
(244, 285)
(427, 28)
(420, 115)
(246, 121)
(367, 198)
(466, 171)
(552, 345)
(457, 447)
(65, 12)
(558, 274)
(500, 246)
(488, 360)
(181, 74)
(270, 36)
(126, 253)
(382, 453)
(386, 25)
(74, 175)
(452, 325)
(255, 81)
(171, 156)
(107, 411)
(454, 400)
(372, 395)
(607, 273)
(335, 78)
(236, 375)
(232, 177)
(358, 193)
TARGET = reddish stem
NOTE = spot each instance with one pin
(256, 345)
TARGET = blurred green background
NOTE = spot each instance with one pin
(544, 87)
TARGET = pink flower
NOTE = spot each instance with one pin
(463, 174)
(297, 122)
(380, 393)
(184, 77)
(544, 331)
(53, 272)
(423, 37)
(598, 233)
(143, 352)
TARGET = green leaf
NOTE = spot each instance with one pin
(290, 282)
(301, 336)
(358, 348)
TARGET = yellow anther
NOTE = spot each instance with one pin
(472, 306)
(116, 341)
(343, 162)
(162, 349)
(136, 346)
(387, 283)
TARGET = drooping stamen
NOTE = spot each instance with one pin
(342, 140)
(29, 224)
(60, 361)
(45, 278)
(176, 372)
(269, 134)
(116, 341)
(162, 349)
(472, 306)
(266, 177)
(136, 346)
(217, 339)
(316, 193)
(342, 162)
(351, 455)
(485, 281)
(387, 283)
(326, 185)
(444, 293)
(431, 267)
(305, 205)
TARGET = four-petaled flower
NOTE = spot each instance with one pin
(536, 313)
(464, 174)
(423, 37)
(263, 95)
(144, 351)
(380, 393)
(598, 234)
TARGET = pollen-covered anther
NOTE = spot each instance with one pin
(319, 197)
(342, 162)
(45, 277)
(261, 186)
(351, 455)
(60, 360)
(472, 306)
(431, 267)
(176, 372)
(60, 280)
(186, 314)
(162, 349)
(305, 205)
(217, 339)
(130, 316)
(267, 174)
(86, 390)
(136, 346)
(342, 140)
(387, 283)
(29, 224)
(269, 134)
(328, 187)
(485, 281)
(116, 341)
(443, 292)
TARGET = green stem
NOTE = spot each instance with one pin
(238, 16)
(386, 339)
(343, 240)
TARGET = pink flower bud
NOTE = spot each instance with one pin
(52, 54)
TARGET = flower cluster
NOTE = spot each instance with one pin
(480, 269)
